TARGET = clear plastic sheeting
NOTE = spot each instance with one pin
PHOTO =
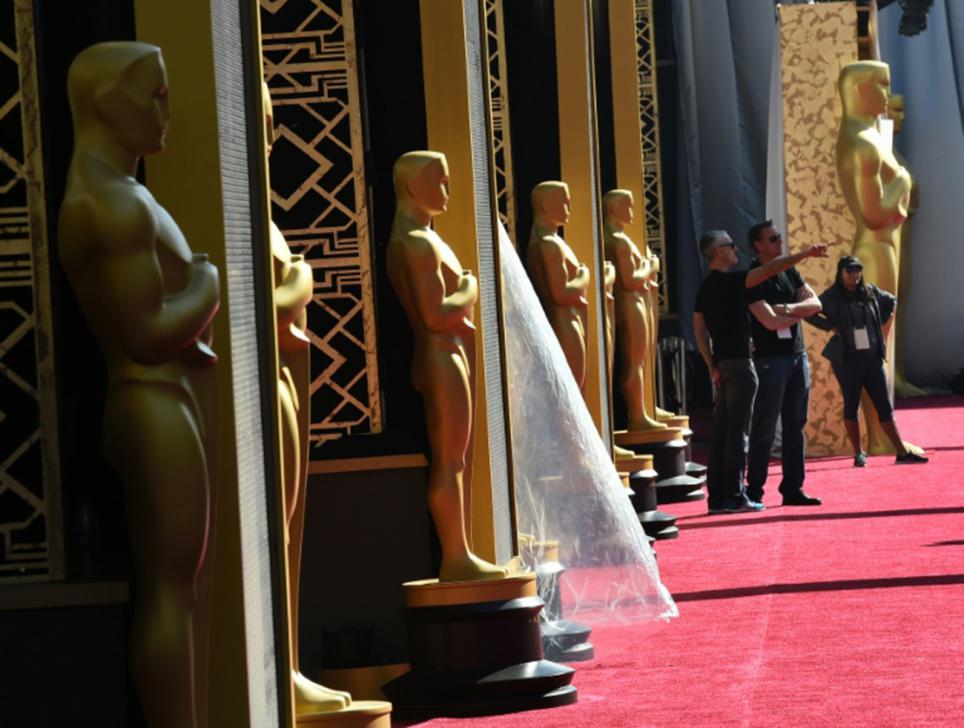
(578, 530)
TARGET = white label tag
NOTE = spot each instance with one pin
(784, 333)
(861, 339)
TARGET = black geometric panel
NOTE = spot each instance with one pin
(23, 538)
(318, 201)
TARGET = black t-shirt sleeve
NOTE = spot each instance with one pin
(751, 295)
(796, 280)
(700, 305)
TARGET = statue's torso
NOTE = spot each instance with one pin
(449, 268)
(558, 314)
(98, 199)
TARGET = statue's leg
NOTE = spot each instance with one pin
(151, 436)
(649, 372)
(572, 339)
(309, 696)
(635, 349)
(448, 416)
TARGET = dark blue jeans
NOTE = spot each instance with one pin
(732, 408)
(784, 393)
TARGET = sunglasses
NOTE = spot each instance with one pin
(853, 268)
(777, 238)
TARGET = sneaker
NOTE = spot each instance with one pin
(910, 458)
(860, 460)
(742, 505)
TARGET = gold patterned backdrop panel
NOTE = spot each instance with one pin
(815, 42)
(499, 109)
(649, 125)
(318, 195)
(31, 545)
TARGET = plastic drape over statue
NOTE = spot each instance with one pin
(568, 492)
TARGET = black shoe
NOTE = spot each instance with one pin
(860, 460)
(911, 458)
(801, 499)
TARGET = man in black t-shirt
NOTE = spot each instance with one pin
(721, 326)
(783, 371)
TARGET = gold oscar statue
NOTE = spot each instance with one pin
(439, 296)
(902, 387)
(150, 302)
(609, 283)
(877, 190)
(293, 287)
(634, 273)
(558, 277)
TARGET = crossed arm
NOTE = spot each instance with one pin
(437, 311)
(154, 326)
(784, 315)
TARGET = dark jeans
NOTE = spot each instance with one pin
(859, 372)
(731, 421)
(784, 393)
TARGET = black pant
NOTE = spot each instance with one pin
(858, 372)
(732, 408)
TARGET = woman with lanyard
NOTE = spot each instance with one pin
(856, 311)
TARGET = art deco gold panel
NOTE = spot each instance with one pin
(649, 130)
(318, 195)
(499, 109)
(815, 42)
(31, 546)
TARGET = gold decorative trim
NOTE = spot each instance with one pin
(32, 543)
(499, 109)
(435, 593)
(319, 202)
(646, 437)
(649, 129)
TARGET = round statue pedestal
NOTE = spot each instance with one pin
(668, 449)
(360, 714)
(656, 523)
(562, 640)
(476, 649)
(695, 470)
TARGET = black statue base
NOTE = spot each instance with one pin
(681, 489)
(659, 524)
(695, 470)
(562, 640)
(565, 641)
(478, 658)
(656, 523)
(669, 458)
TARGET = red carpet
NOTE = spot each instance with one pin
(850, 614)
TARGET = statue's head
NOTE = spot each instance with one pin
(422, 178)
(895, 110)
(550, 202)
(618, 206)
(121, 86)
(864, 88)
